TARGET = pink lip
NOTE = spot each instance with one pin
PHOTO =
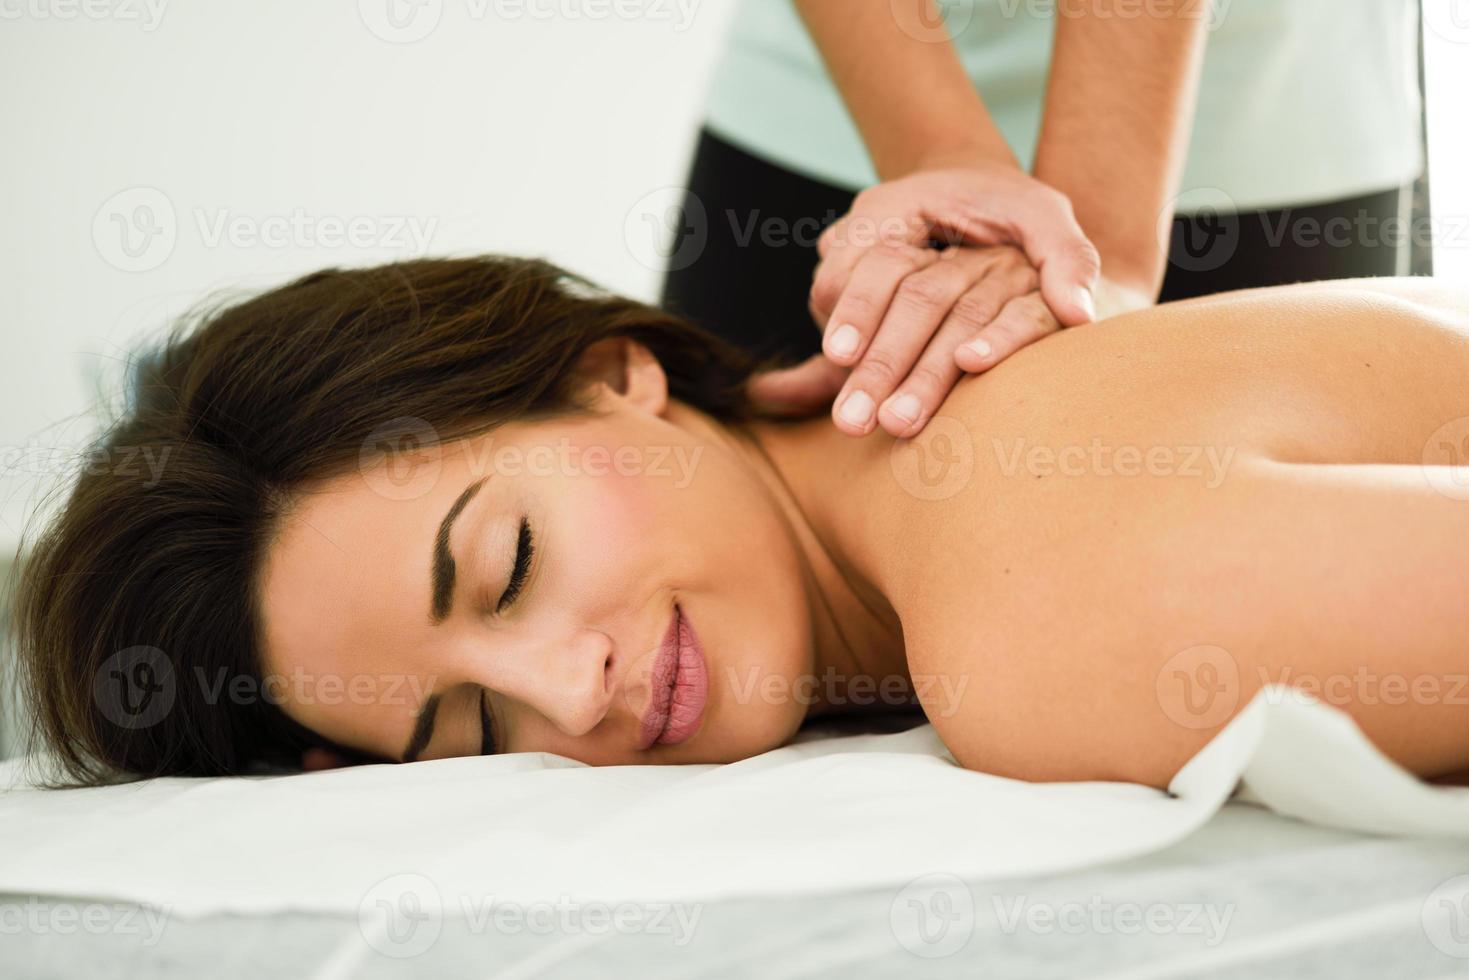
(680, 686)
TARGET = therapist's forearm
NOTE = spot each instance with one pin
(1119, 110)
(909, 96)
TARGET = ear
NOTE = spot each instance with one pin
(627, 369)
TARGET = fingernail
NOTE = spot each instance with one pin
(980, 346)
(843, 341)
(905, 407)
(857, 409)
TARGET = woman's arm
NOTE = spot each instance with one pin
(904, 85)
(890, 314)
(1119, 110)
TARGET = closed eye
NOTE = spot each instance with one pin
(524, 551)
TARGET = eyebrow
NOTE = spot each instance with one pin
(443, 575)
(443, 561)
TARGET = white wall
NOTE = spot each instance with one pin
(526, 135)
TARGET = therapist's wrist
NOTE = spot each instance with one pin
(981, 155)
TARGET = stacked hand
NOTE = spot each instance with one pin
(903, 321)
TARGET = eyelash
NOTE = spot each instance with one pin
(525, 550)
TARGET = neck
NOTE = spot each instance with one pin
(814, 474)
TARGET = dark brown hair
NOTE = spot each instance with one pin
(148, 578)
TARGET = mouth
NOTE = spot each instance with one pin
(679, 687)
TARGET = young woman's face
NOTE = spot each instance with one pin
(531, 575)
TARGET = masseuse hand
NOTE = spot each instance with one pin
(903, 321)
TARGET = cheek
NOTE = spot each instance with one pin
(616, 511)
(607, 536)
(604, 486)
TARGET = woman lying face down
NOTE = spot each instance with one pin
(451, 507)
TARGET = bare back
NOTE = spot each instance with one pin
(1118, 535)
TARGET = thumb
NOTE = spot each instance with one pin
(1069, 265)
(806, 389)
(1068, 276)
(1068, 262)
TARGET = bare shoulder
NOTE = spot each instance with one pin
(1331, 302)
(1062, 514)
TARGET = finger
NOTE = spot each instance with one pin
(830, 278)
(804, 389)
(1006, 275)
(868, 294)
(1069, 263)
(908, 409)
(821, 305)
(846, 244)
(998, 275)
(1068, 275)
(1022, 321)
(826, 283)
(920, 304)
(831, 234)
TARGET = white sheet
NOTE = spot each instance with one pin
(818, 815)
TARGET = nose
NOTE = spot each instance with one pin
(567, 677)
